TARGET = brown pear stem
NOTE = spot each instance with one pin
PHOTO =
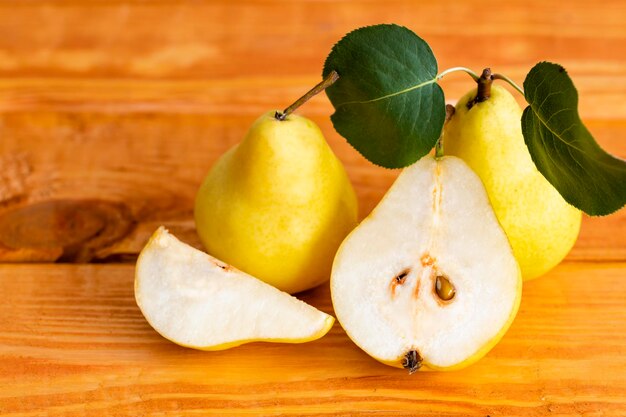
(484, 86)
(439, 145)
(323, 85)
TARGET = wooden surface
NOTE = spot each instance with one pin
(112, 112)
(72, 342)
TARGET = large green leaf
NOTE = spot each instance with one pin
(563, 149)
(387, 102)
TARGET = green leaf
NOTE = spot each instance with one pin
(563, 149)
(387, 102)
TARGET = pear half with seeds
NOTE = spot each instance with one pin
(428, 279)
(197, 301)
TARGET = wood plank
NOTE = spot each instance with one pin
(145, 168)
(111, 113)
(44, 41)
(130, 120)
(73, 343)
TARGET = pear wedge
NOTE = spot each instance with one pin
(197, 301)
(428, 279)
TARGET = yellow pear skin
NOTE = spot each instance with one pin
(541, 226)
(278, 205)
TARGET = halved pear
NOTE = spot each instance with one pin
(197, 301)
(429, 278)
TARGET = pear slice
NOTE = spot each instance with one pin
(429, 278)
(197, 301)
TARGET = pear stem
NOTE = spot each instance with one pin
(439, 145)
(439, 148)
(323, 85)
(484, 86)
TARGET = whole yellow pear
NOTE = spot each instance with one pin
(277, 205)
(541, 226)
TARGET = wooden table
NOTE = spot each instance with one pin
(112, 113)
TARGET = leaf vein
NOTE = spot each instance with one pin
(390, 95)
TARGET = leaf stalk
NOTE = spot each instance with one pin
(455, 69)
(508, 80)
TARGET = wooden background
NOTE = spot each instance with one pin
(111, 113)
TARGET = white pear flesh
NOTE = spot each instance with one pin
(435, 220)
(197, 301)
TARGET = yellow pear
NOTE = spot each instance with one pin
(428, 279)
(541, 226)
(277, 205)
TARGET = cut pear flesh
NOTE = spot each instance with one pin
(429, 278)
(197, 301)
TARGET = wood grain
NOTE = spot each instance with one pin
(73, 343)
(135, 117)
(248, 56)
(112, 112)
(150, 165)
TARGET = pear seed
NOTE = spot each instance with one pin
(401, 277)
(398, 280)
(444, 288)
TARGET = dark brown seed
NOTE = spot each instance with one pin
(401, 277)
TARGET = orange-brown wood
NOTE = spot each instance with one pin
(73, 343)
(149, 167)
(111, 113)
